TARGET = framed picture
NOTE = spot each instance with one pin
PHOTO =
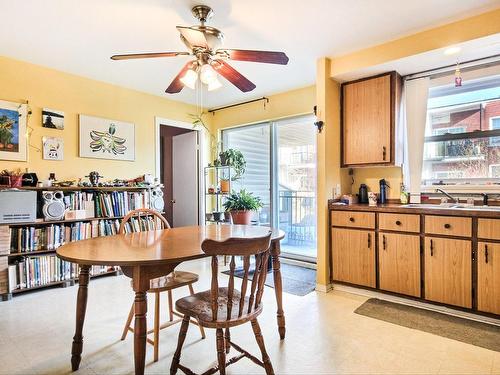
(13, 140)
(53, 148)
(52, 119)
(106, 139)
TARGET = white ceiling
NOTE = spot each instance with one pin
(79, 36)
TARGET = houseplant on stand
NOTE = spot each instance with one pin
(241, 205)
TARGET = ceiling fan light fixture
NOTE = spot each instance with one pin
(214, 84)
(207, 74)
(189, 79)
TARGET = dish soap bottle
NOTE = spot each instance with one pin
(403, 195)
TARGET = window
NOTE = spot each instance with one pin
(495, 125)
(462, 135)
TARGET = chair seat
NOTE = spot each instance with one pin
(173, 280)
(199, 306)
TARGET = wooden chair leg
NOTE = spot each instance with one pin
(260, 341)
(182, 336)
(129, 320)
(227, 339)
(221, 353)
(156, 331)
(202, 330)
(170, 306)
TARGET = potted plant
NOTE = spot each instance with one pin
(241, 205)
(234, 159)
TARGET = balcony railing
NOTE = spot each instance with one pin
(297, 217)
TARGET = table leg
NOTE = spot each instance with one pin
(81, 307)
(141, 307)
(278, 287)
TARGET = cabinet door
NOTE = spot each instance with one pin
(488, 277)
(354, 256)
(399, 263)
(448, 271)
(367, 121)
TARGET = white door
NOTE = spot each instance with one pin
(185, 179)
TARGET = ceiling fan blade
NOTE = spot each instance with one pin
(268, 57)
(232, 75)
(176, 85)
(148, 55)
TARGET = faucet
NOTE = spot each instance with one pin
(485, 199)
(448, 195)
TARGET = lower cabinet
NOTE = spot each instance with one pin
(448, 271)
(354, 256)
(399, 263)
(488, 277)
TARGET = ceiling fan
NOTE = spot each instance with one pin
(203, 43)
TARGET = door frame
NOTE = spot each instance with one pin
(162, 121)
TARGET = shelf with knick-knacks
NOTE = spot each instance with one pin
(217, 188)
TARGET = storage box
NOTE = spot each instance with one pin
(17, 206)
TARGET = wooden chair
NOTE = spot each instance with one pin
(222, 308)
(143, 220)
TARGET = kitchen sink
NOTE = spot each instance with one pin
(454, 206)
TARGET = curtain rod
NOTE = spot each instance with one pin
(464, 66)
(238, 104)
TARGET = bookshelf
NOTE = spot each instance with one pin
(28, 258)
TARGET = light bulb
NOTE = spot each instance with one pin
(207, 74)
(189, 79)
(214, 84)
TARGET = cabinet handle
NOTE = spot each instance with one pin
(432, 248)
(447, 226)
(351, 219)
(398, 222)
(369, 240)
(383, 242)
(384, 153)
(486, 253)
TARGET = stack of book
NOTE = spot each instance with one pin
(119, 203)
(31, 272)
(29, 239)
(141, 224)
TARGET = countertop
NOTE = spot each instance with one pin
(398, 208)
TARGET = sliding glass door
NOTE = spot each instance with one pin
(281, 170)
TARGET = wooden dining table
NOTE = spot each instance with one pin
(143, 256)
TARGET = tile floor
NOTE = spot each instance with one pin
(324, 336)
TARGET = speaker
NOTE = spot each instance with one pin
(157, 202)
(53, 205)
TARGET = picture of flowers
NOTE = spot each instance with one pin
(13, 142)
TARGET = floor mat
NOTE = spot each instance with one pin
(295, 279)
(452, 327)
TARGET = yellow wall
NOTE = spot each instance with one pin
(290, 103)
(74, 95)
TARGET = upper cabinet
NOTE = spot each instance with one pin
(369, 116)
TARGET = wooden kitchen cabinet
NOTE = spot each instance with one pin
(354, 256)
(488, 277)
(369, 115)
(399, 263)
(448, 271)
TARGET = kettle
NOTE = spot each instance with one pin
(383, 191)
(363, 194)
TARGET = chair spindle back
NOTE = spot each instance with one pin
(142, 220)
(246, 248)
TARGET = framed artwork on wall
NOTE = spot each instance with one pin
(13, 139)
(53, 148)
(106, 139)
(52, 119)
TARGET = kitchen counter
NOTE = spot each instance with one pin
(399, 208)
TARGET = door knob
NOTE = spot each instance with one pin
(172, 201)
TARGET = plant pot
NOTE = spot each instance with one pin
(241, 217)
(217, 216)
(224, 186)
